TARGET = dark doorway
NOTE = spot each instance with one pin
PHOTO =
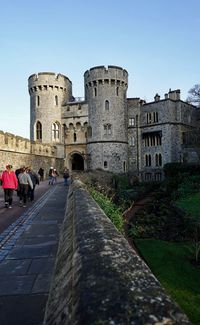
(77, 162)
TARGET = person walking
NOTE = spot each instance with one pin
(24, 182)
(9, 184)
(35, 181)
(66, 176)
(51, 176)
(54, 176)
(41, 173)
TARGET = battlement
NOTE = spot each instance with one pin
(111, 72)
(50, 82)
(48, 75)
(14, 143)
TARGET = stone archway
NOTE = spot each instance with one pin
(77, 162)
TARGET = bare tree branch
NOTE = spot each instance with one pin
(194, 95)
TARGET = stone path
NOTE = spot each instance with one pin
(28, 249)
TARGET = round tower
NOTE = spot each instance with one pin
(48, 92)
(105, 92)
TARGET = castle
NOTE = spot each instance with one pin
(106, 130)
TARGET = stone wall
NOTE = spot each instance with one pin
(20, 151)
(99, 278)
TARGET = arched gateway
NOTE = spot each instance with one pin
(77, 162)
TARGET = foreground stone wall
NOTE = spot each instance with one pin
(98, 278)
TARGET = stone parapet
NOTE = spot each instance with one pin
(99, 278)
(19, 151)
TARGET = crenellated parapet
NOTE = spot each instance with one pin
(14, 143)
(44, 81)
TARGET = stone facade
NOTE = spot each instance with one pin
(106, 130)
(19, 151)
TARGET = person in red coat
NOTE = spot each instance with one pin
(9, 184)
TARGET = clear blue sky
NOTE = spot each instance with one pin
(156, 41)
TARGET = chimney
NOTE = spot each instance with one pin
(157, 98)
(166, 96)
(174, 94)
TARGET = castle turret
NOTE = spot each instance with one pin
(48, 92)
(105, 92)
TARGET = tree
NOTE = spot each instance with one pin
(194, 95)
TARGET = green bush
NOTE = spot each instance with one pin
(110, 209)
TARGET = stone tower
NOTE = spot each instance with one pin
(105, 93)
(48, 92)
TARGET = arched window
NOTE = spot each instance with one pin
(107, 105)
(107, 129)
(38, 100)
(78, 125)
(39, 131)
(71, 126)
(147, 160)
(158, 159)
(56, 100)
(55, 131)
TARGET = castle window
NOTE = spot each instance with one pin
(149, 118)
(148, 176)
(158, 177)
(39, 131)
(71, 126)
(105, 164)
(107, 105)
(155, 117)
(55, 131)
(75, 137)
(117, 91)
(131, 121)
(107, 129)
(158, 140)
(78, 125)
(158, 160)
(146, 141)
(124, 166)
(38, 100)
(147, 160)
(56, 100)
(89, 131)
(132, 141)
(95, 92)
(85, 125)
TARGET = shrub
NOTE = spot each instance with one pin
(110, 209)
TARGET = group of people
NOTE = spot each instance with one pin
(23, 180)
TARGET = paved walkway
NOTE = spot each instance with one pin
(28, 249)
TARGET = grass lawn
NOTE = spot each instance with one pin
(169, 263)
(190, 204)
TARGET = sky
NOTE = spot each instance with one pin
(156, 41)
